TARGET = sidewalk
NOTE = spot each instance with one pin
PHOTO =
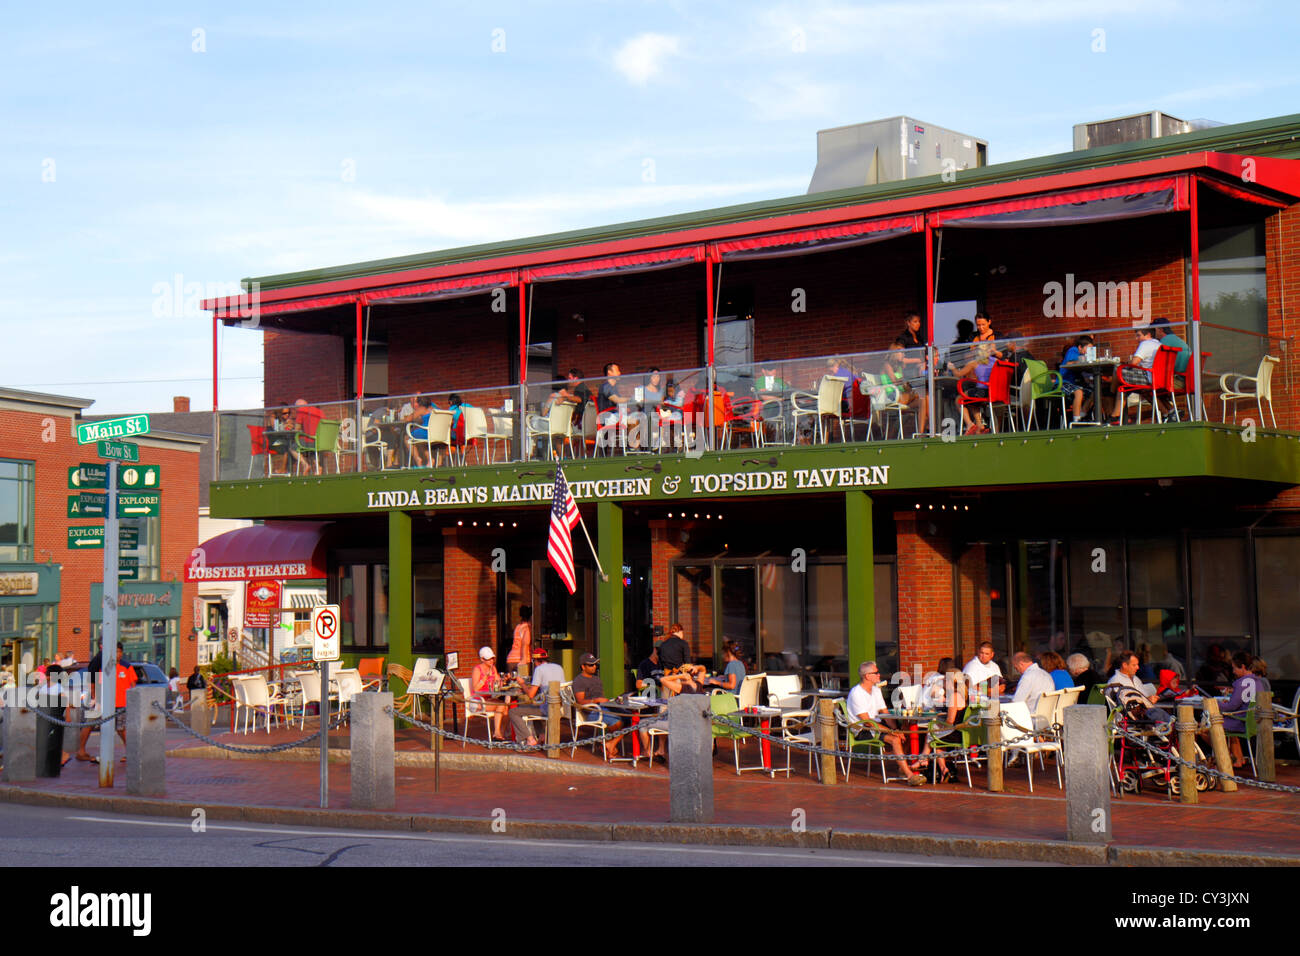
(1249, 827)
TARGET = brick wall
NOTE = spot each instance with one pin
(297, 365)
(973, 600)
(925, 602)
(22, 437)
(469, 594)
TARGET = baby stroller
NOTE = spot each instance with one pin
(1135, 764)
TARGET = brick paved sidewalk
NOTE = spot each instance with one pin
(1249, 821)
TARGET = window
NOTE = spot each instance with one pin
(428, 609)
(17, 510)
(1276, 560)
(148, 552)
(361, 592)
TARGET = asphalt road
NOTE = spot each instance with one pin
(51, 836)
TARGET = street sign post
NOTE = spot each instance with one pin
(85, 537)
(325, 648)
(88, 504)
(138, 505)
(108, 643)
(140, 476)
(88, 475)
(132, 425)
(118, 450)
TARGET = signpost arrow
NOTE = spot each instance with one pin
(139, 505)
(87, 505)
(85, 537)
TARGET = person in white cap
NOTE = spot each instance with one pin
(484, 679)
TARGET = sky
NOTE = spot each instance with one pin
(154, 154)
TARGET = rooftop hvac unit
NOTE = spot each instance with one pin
(889, 150)
(1132, 129)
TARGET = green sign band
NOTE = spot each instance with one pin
(138, 505)
(88, 432)
(118, 450)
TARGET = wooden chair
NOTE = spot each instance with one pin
(408, 704)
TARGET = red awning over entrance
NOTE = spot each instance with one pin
(288, 550)
(612, 265)
(443, 289)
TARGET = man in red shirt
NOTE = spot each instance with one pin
(123, 679)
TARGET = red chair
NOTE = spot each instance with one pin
(1161, 374)
(999, 393)
(744, 417)
(1166, 380)
(258, 445)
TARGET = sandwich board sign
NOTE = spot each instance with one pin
(325, 632)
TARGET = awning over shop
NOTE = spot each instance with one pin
(302, 600)
(443, 289)
(616, 265)
(241, 307)
(1146, 197)
(287, 550)
(822, 239)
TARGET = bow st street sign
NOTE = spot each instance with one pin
(88, 432)
(118, 450)
(138, 505)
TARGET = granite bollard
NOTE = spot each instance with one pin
(146, 741)
(373, 781)
(690, 759)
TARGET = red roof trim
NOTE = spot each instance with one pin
(1281, 175)
(823, 234)
(485, 282)
(246, 307)
(625, 263)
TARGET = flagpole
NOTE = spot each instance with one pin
(603, 575)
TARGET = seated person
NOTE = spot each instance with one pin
(1054, 664)
(684, 679)
(983, 674)
(1246, 688)
(945, 691)
(865, 704)
(544, 674)
(1127, 691)
(983, 372)
(1137, 370)
(305, 420)
(418, 433)
(484, 679)
(575, 392)
(1077, 384)
(733, 674)
(649, 670)
(653, 391)
(1034, 680)
(892, 375)
(1082, 672)
(609, 398)
(588, 689)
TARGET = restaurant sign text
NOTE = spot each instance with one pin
(641, 488)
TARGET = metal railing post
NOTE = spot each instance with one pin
(1198, 411)
(929, 385)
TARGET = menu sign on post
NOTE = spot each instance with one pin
(261, 602)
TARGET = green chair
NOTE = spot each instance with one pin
(973, 734)
(858, 736)
(1043, 384)
(1252, 729)
(726, 705)
(1096, 697)
(326, 441)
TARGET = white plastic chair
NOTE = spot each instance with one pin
(473, 708)
(476, 427)
(799, 726)
(830, 392)
(559, 424)
(1015, 716)
(372, 437)
(1238, 388)
(786, 692)
(749, 688)
(437, 433)
(349, 684)
(258, 699)
(494, 433)
(579, 719)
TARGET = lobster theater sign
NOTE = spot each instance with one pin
(658, 488)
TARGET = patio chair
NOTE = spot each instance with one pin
(476, 431)
(749, 688)
(407, 704)
(473, 708)
(1243, 388)
(1042, 385)
(726, 705)
(258, 445)
(495, 434)
(858, 735)
(371, 672)
(972, 733)
(786, 692)
(800, 726)
(580, 717)
(373, 437)
(1016, 720)
(1285, 720)
(325, 440)
(349, 685)
(559, 424)
(825, 404)
(1248, 717)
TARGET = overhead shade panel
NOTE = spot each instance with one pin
(287, 550)
(821, 239)
(1236, 192)
(234, 308)
(443, 288)
(1147, 197)
(616, 265)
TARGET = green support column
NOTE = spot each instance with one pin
(861, 584)
(401, 604)
(609, 597)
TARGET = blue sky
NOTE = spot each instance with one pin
(215, 141)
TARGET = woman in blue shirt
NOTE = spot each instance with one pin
(733, 674)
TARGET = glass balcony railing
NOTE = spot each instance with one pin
(1059, 380)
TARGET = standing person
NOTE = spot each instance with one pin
(174, 699)
(589, 689)
(983, 673)
(195, 682)
(913, 339)
(865, 703)
(545, 673)
(124, 679)
(521, 647)
(674, 652)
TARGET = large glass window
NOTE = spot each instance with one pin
(17, 512)
(1234, 291)
(428, 637)
(1155, 595)
(1097, 596)
(361, 592)
(1220, 593)
(1276, 560)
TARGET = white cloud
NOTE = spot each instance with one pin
(643, 57)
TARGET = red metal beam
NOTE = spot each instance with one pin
(708, 302)
(361, 351)
(1281, 171)
(929, 282)
(216, 325)
(523, 333)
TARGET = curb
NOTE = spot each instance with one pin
(700, 834)
(419, 759)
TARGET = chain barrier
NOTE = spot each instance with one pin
(1173, 756)
(518, 747)
(799, 745)
(273, 749)
(96, 722)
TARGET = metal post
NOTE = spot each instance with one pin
(108, 635)
(553, 716)
(437, 743)
(324, 734)
(993, 720)
(1186, 727)
(1264, 741)
(1195, 343)
(1228, 784)
(826, 738)
(929, 385)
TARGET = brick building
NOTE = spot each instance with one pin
(796, 523)
(50, 590)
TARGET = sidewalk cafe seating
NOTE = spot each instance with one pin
(580, 716)
(252, 697)
(1243, 388)
(371, 672)
(784, 691)
(407, 704)
(821, 406)
(723, 704)
(973, 734)
(799, 726)
(1043, 385)
(372, 437)
(1285, 722)
(858, 735)
(1016, 720)
(999, 394)
(258, 445)
(474, 708)
(1248, 717)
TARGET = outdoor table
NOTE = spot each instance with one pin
(764, 715)
(1097, 366)
(503, 695)
(632, 709)
(392, 434)
(918, 721)
(831, 693)
(278, 442)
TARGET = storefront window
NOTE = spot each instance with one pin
(1040, 616)
(1220, 596)
(693, 586)
(427, 638)
(1276, 560)
(828, 620)
(1097, 596)
(739, 611)
(16, 510)
(1155, 596)
(361, 592)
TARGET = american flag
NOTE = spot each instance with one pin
(559, 547)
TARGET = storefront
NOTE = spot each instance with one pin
(29, 612)
(148, 621)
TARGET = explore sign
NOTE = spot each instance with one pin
(660, 488)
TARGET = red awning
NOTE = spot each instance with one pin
(1145, 197)
(248, 307)
(1236, 192)
(610, 265)
(288, 550)
(822, 239)
(443, 289)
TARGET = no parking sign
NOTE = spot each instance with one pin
(325, 633)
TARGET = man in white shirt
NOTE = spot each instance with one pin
(982, 670)
(1137, 370)
(1128, 688)
(865, 703)
(1034, 681)
(544, 673)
